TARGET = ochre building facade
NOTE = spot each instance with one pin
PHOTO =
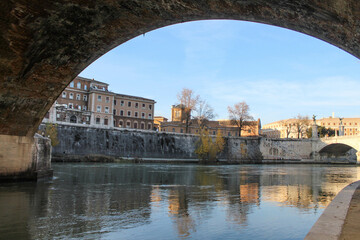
(342, 127)
(178, 125)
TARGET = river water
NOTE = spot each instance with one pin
(158, 201)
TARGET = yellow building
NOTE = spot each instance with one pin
(178, 125)
(285, 129)
(351, 125)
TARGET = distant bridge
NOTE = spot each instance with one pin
(334, 147)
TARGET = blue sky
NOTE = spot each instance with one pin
(280, 73)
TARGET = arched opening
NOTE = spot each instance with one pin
(338, 153)
(41, 53)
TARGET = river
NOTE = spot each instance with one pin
(162, 201)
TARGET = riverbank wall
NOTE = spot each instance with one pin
(78, 143)
(89, 144)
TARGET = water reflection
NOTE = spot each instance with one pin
(110, 201)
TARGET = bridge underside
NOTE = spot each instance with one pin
(336, 149)
(46, 44)
(338, 152)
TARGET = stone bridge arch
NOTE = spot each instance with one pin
(45, 44)
(338, 146)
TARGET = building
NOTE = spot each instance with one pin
(158, 120)
(286, 128)
(87, 101)
(343, 127)
(349, 126)
(178, 125)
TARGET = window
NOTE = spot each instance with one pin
(85, 98)
(85, 87)
(214, 133)
(122, 103)
(150, 116)
(71, 96)
(106, 109)
(107, 99)
(72, 84)
(149, 126)
(181, 130)
(136, 114)
(70, 105)
(114, 111)
(129, 104)
(229, 134)
(135, 124)
(98, 108)
(121, 123)
(106, 121)
(115, 102)
(78, 85)
(150, 106)
(78, 97)
(121, 113)
(143, 106)
(129, 113)
(136, 105)
(143, 115)
(84, 108)
(64, 94)
(99, 98)
(97, 120)
(79, 107)
(128, 124)
(173, 129)
(73, 119)
(142, 126)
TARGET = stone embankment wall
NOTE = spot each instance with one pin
(84, 143)
(92, 144)
(286, 149)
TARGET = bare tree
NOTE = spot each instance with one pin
(240, 116)
(204, 113)
(188, 101)
(300, 125)
(288, 125)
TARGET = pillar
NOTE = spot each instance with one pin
(24, 158)
(314, 131)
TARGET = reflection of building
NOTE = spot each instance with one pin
(178, 208)
(87, 101)
(249, 193)
(178, 125)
